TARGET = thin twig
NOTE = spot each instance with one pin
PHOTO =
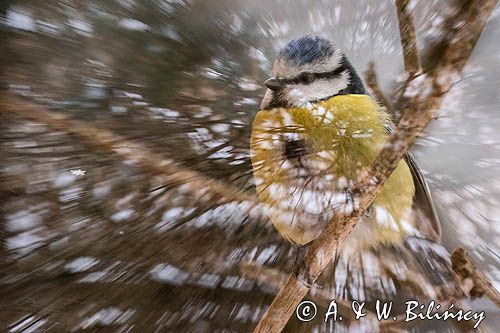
(427, 92)
(372, 83)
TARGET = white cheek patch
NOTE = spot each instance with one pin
(301, 94)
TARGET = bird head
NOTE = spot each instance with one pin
(309, 69)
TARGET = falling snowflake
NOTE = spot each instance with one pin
(78, 172)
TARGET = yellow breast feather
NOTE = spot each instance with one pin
(341, 137)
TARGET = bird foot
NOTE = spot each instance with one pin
(300, 270)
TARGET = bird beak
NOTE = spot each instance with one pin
(273, 83)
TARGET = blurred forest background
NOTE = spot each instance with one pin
(120, 248)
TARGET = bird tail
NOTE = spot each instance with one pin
(416, 267)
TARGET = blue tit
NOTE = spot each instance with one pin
(316, 131)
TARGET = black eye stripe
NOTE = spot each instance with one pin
(309, 77)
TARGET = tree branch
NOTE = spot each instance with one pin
(411, 55)
(425, 93)
(474, 283)
(466, 14)
(129, 151)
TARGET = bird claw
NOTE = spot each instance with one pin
(304, 278)
(300, 270)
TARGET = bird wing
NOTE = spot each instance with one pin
(424, 211)
(423, 204)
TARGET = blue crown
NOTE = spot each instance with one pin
(307, 49)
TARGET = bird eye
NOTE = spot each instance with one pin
(306, 78)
